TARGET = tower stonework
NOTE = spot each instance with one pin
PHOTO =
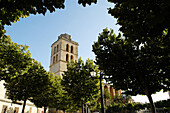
(62, 51)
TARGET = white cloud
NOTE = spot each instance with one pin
(156, 97)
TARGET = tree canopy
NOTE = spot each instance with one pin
(146, 24)
(79, 84)
(140, 19)
(135, 69)
(163, 103)
(29, 84)
(51, 96)
(14, 58)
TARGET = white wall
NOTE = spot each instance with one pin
(29, 108)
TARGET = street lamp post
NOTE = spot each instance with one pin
(101, 89)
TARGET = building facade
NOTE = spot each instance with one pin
(112, 92)
(62, 51)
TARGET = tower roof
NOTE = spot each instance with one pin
(65, 36)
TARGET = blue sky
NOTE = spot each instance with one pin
(83, 23)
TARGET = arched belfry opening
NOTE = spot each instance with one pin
(71, 58)
(67, 57)
(57, 48)
(67, 47)
(53, 59)
(54, 51)
(71, 49)
(56, 57)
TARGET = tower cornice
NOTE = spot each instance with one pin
(64, 37)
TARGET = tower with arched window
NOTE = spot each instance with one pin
(62, 51)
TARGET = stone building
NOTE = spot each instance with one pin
(62, 51)
(112, 92)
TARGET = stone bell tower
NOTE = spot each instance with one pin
(62, 51)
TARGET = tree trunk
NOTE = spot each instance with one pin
(82, 108)
(45, 108)
(24, 105)
(153, 110)
(105, 101)
(86, 108)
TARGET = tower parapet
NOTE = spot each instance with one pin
(65, 36)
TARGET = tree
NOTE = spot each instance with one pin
(163, 103)
(79, 84)
(138, 106)
(140, 19)
(118, 99)
(31, 83)
(115, 108)
(66, 103)
(51, 96)
(129, 107)
(14, 59)
(134, 69)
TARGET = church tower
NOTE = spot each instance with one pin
(62, 51)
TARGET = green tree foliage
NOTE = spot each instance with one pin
(139, 106)
(79, 84)
(51, 96)
(89, 2)
(140, 19)
(135, 69)
(14, 59)
(67, 104)
(163, 103)
(31, 83)
(125, 107)
(115, 108)
(12, 10)
(129, 107)
(119, 99)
